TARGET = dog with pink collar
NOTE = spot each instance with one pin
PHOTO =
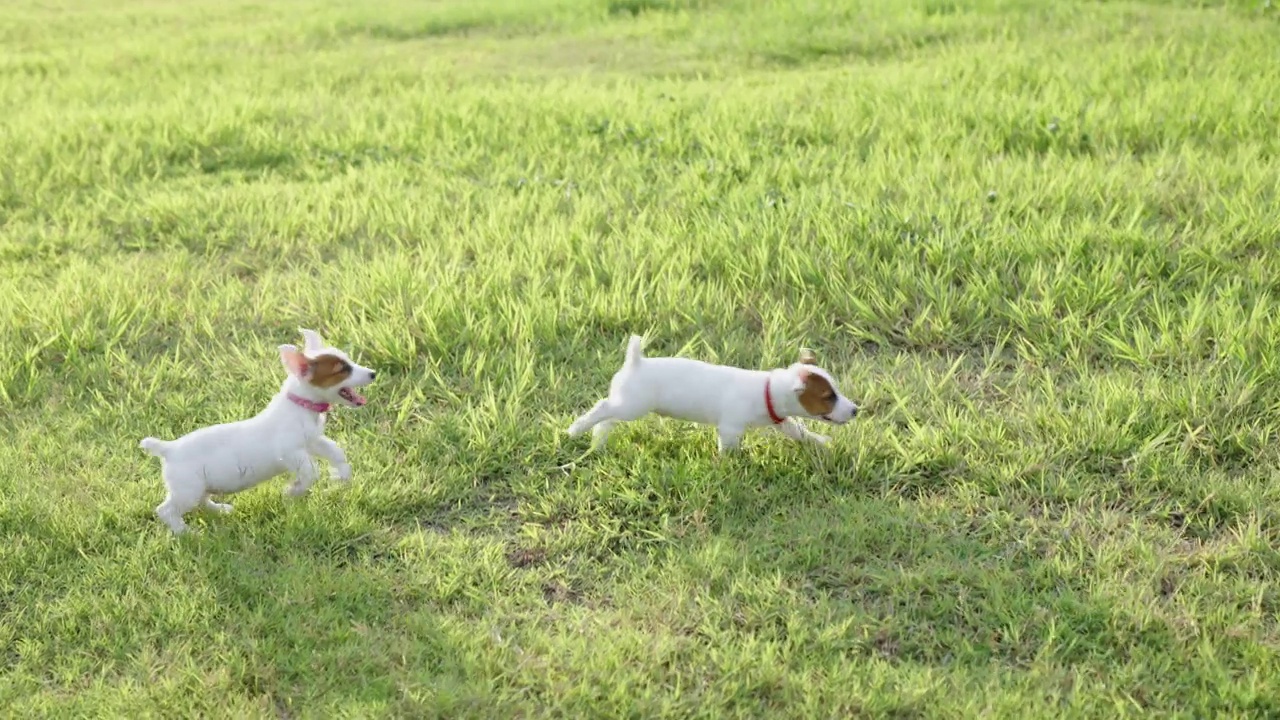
(286, 437)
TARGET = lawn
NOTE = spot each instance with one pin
(1039, 242)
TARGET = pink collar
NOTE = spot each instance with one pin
(311, 405)
(768, 405)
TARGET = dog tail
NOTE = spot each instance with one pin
(635, 353)
(154, 446)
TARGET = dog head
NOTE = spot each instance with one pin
(327, 372)
(817, 393)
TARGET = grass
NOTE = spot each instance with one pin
(1038, 241)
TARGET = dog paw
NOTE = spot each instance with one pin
(296, 489)
(821, 439)
(577, 429)
(341, 473)
(223, 508)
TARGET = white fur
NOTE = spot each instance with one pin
(730, 398)
(283, 438)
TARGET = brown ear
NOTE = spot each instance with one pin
(807, 357)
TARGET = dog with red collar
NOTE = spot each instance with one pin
(733, 399)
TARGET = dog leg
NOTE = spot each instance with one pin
(601, 419)
(329, 450)
(730, 438)
(217, 507)
(794, 430)
(601, 412)
(180, 501)
(171, 513)
(305, 475)
(600, 434)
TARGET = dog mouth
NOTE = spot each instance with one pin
(351, 397)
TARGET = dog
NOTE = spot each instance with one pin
(733, 399)
(283, 438)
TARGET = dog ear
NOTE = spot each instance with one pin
(295, 363)
(807, 357)
(802, 381)
(312, 343)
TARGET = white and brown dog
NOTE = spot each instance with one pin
(283, 438)
(732, 399)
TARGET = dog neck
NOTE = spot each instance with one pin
(313, 406)
(780, 384)
(296, 396)
(770, 407)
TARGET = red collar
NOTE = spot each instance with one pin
(768, 405)
(311, 405)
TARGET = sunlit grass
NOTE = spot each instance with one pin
(1037, 241)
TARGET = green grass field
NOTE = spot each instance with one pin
(1040, 243)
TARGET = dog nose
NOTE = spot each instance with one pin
(854, 413)
(373, 374)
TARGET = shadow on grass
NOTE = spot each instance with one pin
(916, 586)
(781, 549)
(291, 616)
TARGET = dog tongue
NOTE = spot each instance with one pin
(356, 398)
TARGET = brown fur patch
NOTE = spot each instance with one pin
(327, 371)
(818, 397)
